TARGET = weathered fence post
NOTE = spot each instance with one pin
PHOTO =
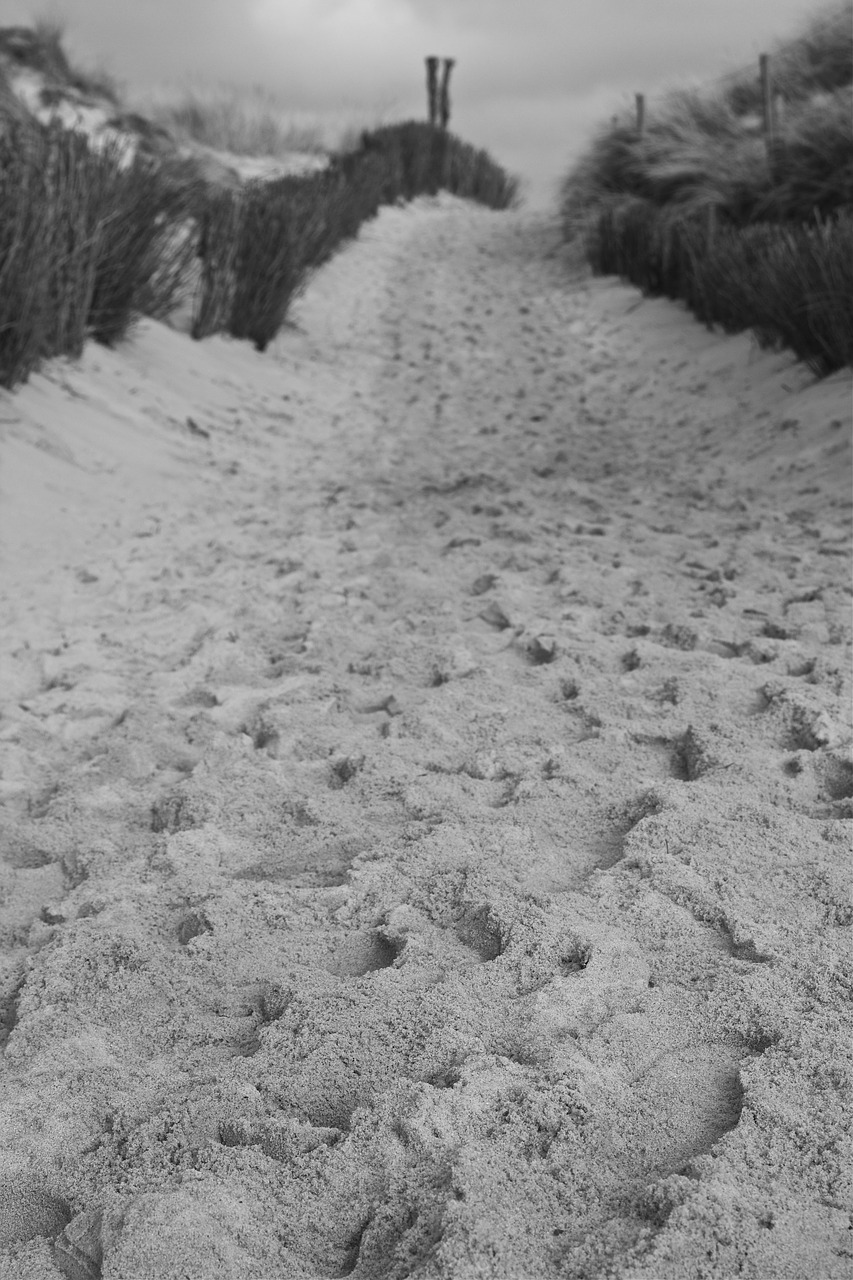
(640, 99)
(449, 64)
(432, 89)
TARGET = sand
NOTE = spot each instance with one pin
(425, 786)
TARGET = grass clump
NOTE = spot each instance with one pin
(41, 48)
(244, 122)
(88, 240)
(260, 244)
(791, 284)
(817, 61)
(144, 246)
(95, 232)
(697, 208)
(422, 160)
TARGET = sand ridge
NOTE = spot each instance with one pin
(426, 782)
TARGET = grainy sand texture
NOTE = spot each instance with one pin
(425, 786)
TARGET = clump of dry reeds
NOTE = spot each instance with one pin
(699, 207)
(41, 48)
(792, 284)
(88, 240)
(244, 121)
(93, 234)
(260, 244)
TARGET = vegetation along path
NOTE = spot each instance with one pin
(425, 800)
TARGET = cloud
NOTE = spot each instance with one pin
(347, 48)
(528, 74)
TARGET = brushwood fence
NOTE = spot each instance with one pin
(769, 252)
(90, 240)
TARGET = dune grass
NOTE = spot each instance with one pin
(247, 121)
(792, 284)
(262, 243)
(816, 61)
(87, 242)
(41, 47)
(94, 234)
(644, 206)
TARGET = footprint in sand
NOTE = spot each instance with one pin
(684, 1103)
(28, 1209)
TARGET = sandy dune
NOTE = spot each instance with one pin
(425, 766)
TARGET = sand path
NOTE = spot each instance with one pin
(425, 782)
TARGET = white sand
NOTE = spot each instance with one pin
(425, 776)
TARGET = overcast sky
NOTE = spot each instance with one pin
(533, 76)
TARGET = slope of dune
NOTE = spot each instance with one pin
(425, 788)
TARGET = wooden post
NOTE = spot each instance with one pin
(641, 113)
(432, 89)
(449, 64)
(767, 105)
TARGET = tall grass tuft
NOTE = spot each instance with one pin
(697, 208)
(48, 247)
(260, 246)
(792, 285)
(219, 219)
(422, 160)
(87, 242)
(815, 61)
(243, 121)
(268, 266)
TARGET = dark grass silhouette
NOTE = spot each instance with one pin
(792, 285)
(695, 208)
(93, 235)
(240, 120)
(260, 244)
(40, 47)
(88, 241)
